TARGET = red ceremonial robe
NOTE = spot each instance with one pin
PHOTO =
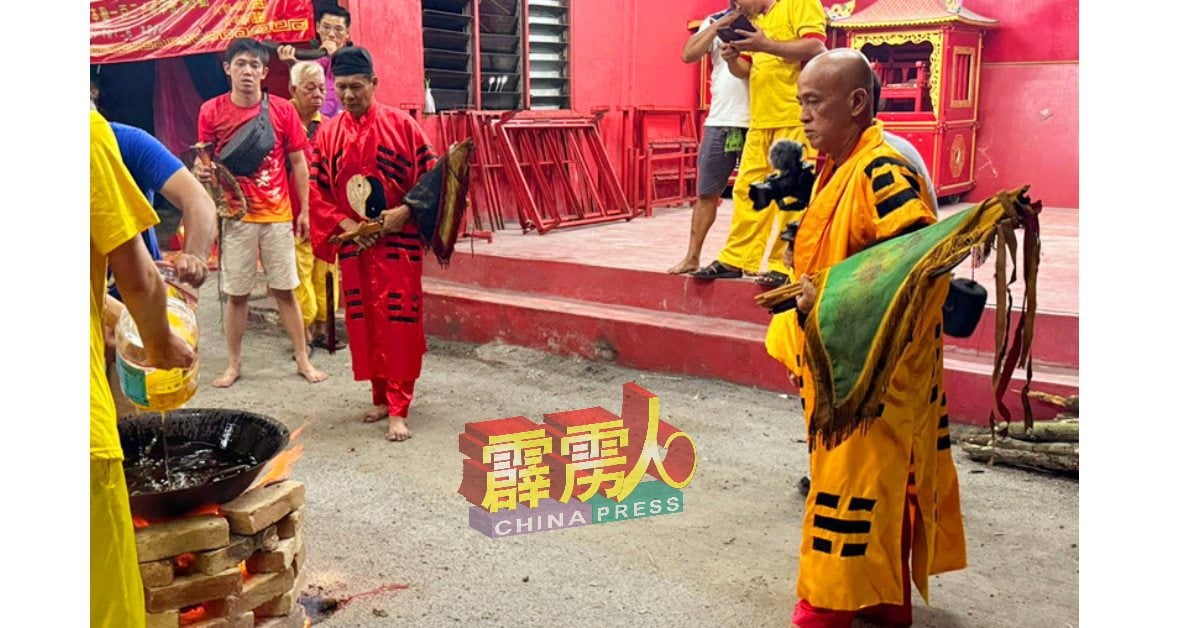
(381, 285)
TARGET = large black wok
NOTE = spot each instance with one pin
(243, 436)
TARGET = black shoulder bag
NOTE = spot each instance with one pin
(250, 145)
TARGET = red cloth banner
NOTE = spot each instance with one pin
(138, 30)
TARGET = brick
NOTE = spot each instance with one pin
(254, 510)
(221, 607)
(240, 548)
(168, 619)
(245, 620)
(193, 589)
(290, 525)
(262, 588)
(157, 573)
(193, 534)
(214, 622)
(278, 560)
(294, 620)
(284, 604)
(301, 553)
(265, 539)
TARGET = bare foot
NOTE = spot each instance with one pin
(226, 379)
(684, 267)
(376, 413)
(312, 373)
(397, 430)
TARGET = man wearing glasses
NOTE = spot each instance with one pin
(333, 34)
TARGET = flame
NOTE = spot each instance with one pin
(183, 561)
(194, 615)
(211, 509)
(296, 434)
(280, 467)
(307, 623)
(245, 572)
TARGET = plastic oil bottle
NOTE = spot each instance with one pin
(149, 388)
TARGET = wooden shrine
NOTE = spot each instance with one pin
(927, 54)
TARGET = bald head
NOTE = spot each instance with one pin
(836, 93)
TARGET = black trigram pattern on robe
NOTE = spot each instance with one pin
(393, 165)
(831, 530)
(403, 308)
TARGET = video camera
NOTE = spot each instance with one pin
(794, 178)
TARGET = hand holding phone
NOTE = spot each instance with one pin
(729, 33)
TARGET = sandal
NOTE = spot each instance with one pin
(318, 342)
(773, 279)
(717, 270)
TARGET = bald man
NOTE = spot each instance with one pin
(890, 492)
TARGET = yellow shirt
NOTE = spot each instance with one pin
(119, 214)
(773, 81)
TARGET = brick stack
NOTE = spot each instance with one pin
(238, 568)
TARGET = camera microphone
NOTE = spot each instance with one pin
(785, 154)
(793, 178)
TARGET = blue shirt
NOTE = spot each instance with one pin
(151, 164)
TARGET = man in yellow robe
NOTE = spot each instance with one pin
(890, 492)
(119, 213)
(789, 33)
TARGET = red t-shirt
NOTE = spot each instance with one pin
(266, 191)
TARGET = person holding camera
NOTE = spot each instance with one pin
(724, 131)
(333, 34)
(883, 508)
(253, 134)
(785, 34)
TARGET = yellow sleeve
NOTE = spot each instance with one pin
(807, 18)
(784, 341)
(900, 199)
(119, 210)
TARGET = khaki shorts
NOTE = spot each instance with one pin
(241, 245)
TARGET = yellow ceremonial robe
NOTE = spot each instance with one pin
(851, 551)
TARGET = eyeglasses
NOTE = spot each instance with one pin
(326, 28)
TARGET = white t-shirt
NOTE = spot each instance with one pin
(730, 102)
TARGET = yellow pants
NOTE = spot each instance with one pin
(117, 597)
(751, 229)
(311, 291)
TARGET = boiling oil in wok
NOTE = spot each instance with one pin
(182, 465)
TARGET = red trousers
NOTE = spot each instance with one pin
(397, 395)
(806, 615)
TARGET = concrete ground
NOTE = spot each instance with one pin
(385, 524)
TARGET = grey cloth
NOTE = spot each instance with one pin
(713, 164)
(910, 154)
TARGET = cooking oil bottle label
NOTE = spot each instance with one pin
(133, 382)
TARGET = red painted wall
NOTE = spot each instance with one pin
(391, 31)
(625, 53)
(1029, 99)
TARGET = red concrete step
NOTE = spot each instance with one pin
(666, 341)
(729, 299)
(1056, 342)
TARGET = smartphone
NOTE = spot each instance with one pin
(729, 34)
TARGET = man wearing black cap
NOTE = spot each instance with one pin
(364, 161)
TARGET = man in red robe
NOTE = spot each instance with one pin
(365, 160)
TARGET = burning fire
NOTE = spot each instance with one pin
(193, 615)
(183, 561)
(245, 572)
(280, 467)
(210, 509)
